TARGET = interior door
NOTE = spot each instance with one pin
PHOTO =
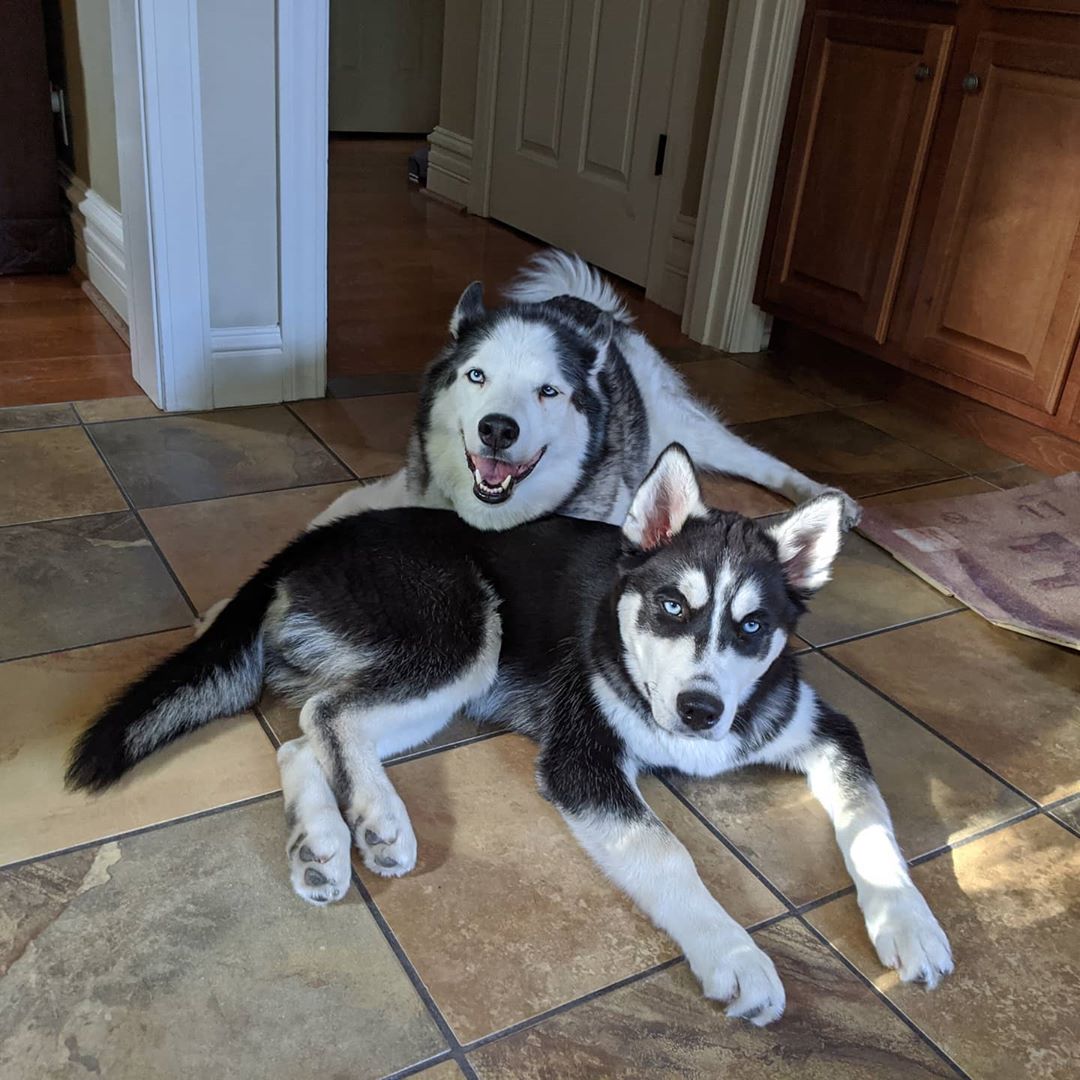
(582, 99)
(998, 299)
(864, 119)
(385, 65)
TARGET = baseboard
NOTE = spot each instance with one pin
(450, 166)
(250, 365)
(671, 293)
(98, 229)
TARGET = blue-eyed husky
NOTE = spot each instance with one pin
(620, 651)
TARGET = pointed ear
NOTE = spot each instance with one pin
(808, 540)
(668, 496)
(470, 309)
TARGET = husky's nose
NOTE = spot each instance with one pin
(498, 431)
(697, 710)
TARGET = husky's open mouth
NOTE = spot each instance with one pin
(494, 480)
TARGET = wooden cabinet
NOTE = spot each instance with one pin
(864, 117)
(934, 222)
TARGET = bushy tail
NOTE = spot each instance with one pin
(217, 675)
(554, 273)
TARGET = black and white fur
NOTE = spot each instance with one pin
(659, 645)
(563, 404)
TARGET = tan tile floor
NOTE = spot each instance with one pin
(151, 931)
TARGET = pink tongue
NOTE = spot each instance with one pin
(493, 473)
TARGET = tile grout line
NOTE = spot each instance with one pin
(95, 644)
(420, 1066)
(917, 621)
(320, 440)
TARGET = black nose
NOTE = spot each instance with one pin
(698, 710)
(498, 431)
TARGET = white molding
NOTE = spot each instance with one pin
(159, 140)
(760, 41)
(303, 42)
(671, 292)
(450, 165)
(226, 339)
(249, 365)
(98, 229)
(487, 83)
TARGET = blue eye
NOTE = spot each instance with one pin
(750, 626)
(673, 608)
(475, 375)
(547, 390)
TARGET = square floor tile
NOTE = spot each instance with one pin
(936, 796)
(53, 473)
(505, 916)
(369, 434)
(869, 590)
(215, 546)
(944, 489)
(730, 493)
(1009, 903)
(1017, 476)
(741, 395)
(1010, 700)
(49, 700)
(834, 1028)
(846, 453)
(130, 407)
(183, 953)
(22, 417)
(171, 459)
(1069, 812)
(915, 428)
(78, 581)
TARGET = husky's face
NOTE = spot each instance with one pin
(709, 597)
(511, 407)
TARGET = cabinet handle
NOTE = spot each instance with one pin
(923, 72)
(971, 83)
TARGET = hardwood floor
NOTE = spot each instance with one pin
(56, 346)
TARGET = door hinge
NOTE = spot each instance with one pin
(661, 150)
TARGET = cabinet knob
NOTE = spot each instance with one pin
(971, 83)
(923, 72)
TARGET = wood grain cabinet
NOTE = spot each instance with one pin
(927, 202)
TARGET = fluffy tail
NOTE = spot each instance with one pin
(219, 674)
(555, 273)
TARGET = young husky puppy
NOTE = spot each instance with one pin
(620, 651)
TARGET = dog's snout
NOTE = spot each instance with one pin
(698, 710)
(498, 431)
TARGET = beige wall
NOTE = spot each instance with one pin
(89, 89)
(461, 54)
(711, 49)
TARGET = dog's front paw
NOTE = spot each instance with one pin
(852, 512)
(384, 837)
(907, 937)
(732, 968)
(319, 864)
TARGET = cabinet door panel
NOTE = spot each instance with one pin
(998, 300)
(865, 114)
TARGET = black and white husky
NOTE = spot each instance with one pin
(555, 403)
(620, 651)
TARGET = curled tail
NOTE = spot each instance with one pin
(555, 273)
(219, 674)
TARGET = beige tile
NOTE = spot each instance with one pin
(24, 417)
(1010, 905)
(48, 700)
(946, 489)
(505, 916)
(182, 953)
(742, 395)
(1017, 476)
(215, 546)
(834, 1028)
(133, 407)
(1010, 700)
(936, 796)
(1069, 813)
(919, 431)
(53, 473)
(869, 590)
(445, 1070)
(369, 433)
(730, 493)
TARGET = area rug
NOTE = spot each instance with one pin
(1012, 556)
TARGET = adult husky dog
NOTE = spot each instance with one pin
(555, 403)
(620, 651)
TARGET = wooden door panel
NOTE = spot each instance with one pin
(857, 157)
(547, 43)
(998, 301)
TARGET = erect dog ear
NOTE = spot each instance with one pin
(667, 497)
(470, 309)
(808, 540)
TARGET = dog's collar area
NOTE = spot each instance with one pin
(494, 480)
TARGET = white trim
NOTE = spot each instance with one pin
(450, 165)
(159, 140)
(671, 292)
(249, 365)
(98, 229)
(487, 81)
(229, 339)
(760, 41)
